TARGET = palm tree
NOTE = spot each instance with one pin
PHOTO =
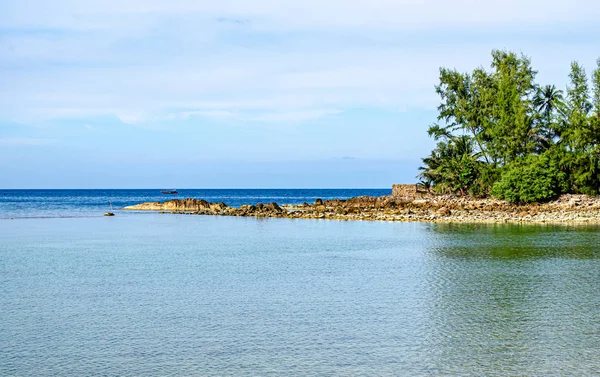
(452, 166)
(548, 101)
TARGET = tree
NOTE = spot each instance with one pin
(466, 100)
(577, 133)
(548, 102)
(581, 134)
(499, 131)
(596, 89)
(510, 131)
(596, 94)
(452, 166)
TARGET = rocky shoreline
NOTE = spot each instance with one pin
(425, 208)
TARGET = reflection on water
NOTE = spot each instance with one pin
(514, 241)
(210, 296)
(520, 300)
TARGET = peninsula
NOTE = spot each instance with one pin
(508, 150)
(406, 203)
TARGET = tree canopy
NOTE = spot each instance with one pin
(501, 133)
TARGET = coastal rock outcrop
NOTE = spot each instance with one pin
(203, 207)
(423, 207)
(180, 205)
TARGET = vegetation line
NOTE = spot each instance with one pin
(500, 133)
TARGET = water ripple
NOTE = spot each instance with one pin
(202, 296)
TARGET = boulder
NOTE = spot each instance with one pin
(444, 212)
(273, 207)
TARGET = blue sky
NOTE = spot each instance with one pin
(234, 93)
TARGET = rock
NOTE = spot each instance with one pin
(575, 202)
(245, 210)
(427, 207)
(273, 207)
(444, 211)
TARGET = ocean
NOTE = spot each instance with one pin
(88, 203)
(147, 294)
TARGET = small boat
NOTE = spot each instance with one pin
(111, 211)
(169, 192)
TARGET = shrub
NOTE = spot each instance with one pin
(534, 178)
(585, 173)
(482, 186)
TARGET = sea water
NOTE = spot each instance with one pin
(90, 203)
(145, 294)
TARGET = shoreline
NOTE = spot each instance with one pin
(568, 209)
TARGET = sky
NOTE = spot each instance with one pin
(251, 94)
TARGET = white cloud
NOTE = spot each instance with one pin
(147, 61)
(25, 141)
(131, 117)
(295, 116)
(293, 14)
(214, 114)
(264, 116)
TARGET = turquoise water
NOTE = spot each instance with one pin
(176, 295)
(19, 204)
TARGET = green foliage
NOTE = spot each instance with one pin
(482, 185)
(500, 132)
(452, 166)
(534, 178)
(595, 119)
(577, 134)
(510, 129)
(549, 106)
(596, 90)
(491, 107)
(585, 172)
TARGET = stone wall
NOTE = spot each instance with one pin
(407, 191)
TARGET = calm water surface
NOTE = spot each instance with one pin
(168, 295)
(92, 203)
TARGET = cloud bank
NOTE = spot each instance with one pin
(144, 62)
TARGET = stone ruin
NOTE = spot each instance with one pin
(408, 191)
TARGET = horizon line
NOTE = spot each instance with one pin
(214, 188)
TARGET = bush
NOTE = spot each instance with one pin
(482, 186)
(534, 178)
(585, 173)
